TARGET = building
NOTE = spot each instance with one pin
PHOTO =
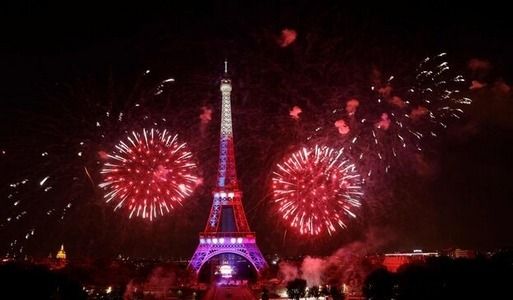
(462, 253)
(61, 254)
(393, 261)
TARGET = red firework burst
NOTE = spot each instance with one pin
(317, 189)
(149, 173)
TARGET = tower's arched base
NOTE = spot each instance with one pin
(245, 247)
(227, 269)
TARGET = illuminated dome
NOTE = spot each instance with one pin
(61, 254)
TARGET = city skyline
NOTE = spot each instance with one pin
(63, 72)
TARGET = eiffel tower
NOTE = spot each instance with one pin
(227, 230)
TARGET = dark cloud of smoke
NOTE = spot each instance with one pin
(424, 167)
(206, 115)
(342, 127)
(160, 281)
(483, 77)
(349, 264)
(294, 112)
(477, 85)
(103, 155)
(501, 88)
(418, 112)
(385, 91)
(312, 269)
(352, 106)
(287, 37)
(205, 118)
(288, 271)
(479, 65)
(376, 76)
(397, 101)
(384, 122)
(130, 290)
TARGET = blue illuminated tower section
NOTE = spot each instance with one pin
(227, 230)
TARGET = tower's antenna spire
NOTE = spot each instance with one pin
(225, 66)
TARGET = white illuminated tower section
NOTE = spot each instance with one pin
(227, 230)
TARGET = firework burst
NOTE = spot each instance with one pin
(149, 173)
(55, 172)
(317, 189)
(396, 117)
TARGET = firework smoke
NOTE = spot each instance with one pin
(206, 115)
(160, 281)
(312, 269)
(288, 271)
(348, 264)
(294, 112)
(288, 36)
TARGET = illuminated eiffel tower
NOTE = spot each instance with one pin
(227, 230)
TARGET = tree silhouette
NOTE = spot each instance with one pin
(296, 288)
(336, 293)
(265, 294)
(445, 278)
(37, 282)
(379, 285)
(314, 292)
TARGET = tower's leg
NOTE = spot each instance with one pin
(198, 259)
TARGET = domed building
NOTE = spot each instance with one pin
(61, 254)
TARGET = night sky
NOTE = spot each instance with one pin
(56, 57)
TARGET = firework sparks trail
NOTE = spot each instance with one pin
(391, 120)
(66, 150)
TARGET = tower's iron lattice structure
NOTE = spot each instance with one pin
(227, 230)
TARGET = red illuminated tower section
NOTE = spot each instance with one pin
(227, 230)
